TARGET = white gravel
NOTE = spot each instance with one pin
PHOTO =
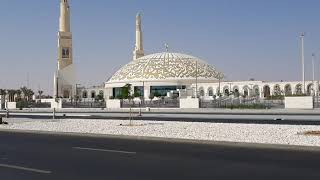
(253, 133)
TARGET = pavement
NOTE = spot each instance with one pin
(315, 111)
(26, 155)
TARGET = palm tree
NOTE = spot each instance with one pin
(18, 92)
(28, 93)
(40, 94)
(11, 93)
(24, 91)
(3, 92)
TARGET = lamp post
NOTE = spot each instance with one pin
(196, 79)
(313, 75)
(302, 62)
(219, 77)
(76, 96)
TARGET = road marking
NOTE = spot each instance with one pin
(25, 168)
(105, 150)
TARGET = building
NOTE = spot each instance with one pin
(64, 78)
(162, 74)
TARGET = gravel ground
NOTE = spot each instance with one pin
(253, 133)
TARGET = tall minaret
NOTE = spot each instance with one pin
(64, 78)
(65, 36)
(138, 50)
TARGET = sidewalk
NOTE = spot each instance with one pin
(182, 111)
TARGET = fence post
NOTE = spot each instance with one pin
(140, 109)
(7, 113)
(54, 113)
(130, 117)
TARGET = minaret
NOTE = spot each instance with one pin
(64, 78)
(138, 50)
(65, 36)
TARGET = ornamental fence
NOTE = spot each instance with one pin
(245, 103)
(161, 103)
(93, 104)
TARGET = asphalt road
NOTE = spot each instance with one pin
(25, 156)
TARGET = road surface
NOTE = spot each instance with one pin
(30, 156)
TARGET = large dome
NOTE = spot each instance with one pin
(165, 66)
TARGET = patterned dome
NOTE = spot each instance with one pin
(165, 66)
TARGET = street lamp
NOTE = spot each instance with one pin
(196, 79)
(76, 96)
(302, 62)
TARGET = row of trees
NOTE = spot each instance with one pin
(22, 94)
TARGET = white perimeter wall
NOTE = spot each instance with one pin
(303, 102)
(187, 103)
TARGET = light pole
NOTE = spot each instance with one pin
(219, 94)
(313, 75)
(196, 79)
(302, 62)
(76, 96)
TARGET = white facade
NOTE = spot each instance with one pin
(194, 76)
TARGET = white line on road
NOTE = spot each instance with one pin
(24, 168)
(105, 150)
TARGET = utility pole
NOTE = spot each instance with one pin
(302, 62)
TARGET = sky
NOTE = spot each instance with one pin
(243, 38)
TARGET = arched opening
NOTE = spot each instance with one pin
(93, 94)
(226, 91)
(245, 91)
(299, 89)
(277, 90)
(201, 91)
(256, 91)
(236, 91)
(287, 90)
(210, 91)
(66, 94)
(310, 89)
(84, 94)
(266, 91)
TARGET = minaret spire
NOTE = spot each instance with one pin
(64, 16)
(138, 50)
(65, 78)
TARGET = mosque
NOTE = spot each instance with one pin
(162, 74)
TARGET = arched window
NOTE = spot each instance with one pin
(210, 91)
(236, 91)
(66, 94)
(299, 89)
(84, 94)
(266, 91)
(287, 90)
(256, 90)
(93, 94)
(226, 91)
(201, 91)
(101, 93)
(246, 91)
(310, 89)
(277, 90)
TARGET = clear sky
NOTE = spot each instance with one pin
(243, 38)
